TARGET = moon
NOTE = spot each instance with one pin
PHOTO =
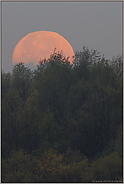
(39, 45)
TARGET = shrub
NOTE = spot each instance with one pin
(107, 168)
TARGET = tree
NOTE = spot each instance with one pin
(6, 81)
(21, 80)
(53, 86)
(84, 61)
(11, 125)
(95, 110)
(117, 64)
(31, 117)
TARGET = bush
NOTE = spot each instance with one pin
(20, 167)
(51, 166)
(107, 168)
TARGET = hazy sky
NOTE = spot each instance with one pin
(96, 25)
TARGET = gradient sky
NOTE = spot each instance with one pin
(96, 25)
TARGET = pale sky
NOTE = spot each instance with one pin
(96, 25)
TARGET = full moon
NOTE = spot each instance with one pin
(39, 45)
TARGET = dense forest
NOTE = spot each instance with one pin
(63, 122)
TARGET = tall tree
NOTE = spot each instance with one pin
(21, 80)
(53, 86)
(11, 125)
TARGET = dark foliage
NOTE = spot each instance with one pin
(63, 122)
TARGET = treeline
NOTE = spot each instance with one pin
(62, 122)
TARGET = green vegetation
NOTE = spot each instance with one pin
(63, 122)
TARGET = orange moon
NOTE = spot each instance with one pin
(40, 45)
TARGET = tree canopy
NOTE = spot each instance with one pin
(64, 116)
